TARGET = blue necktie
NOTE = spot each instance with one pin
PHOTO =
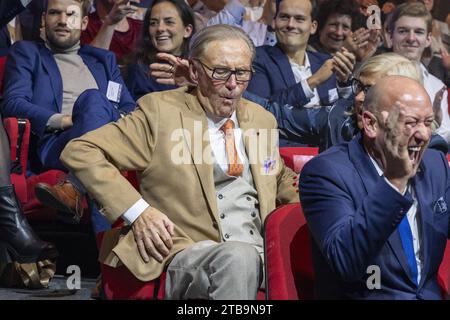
(407, 241)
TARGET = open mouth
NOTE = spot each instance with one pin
(162, 38)
(414, 154)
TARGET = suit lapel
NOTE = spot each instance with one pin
(254, 142)
(282, 61)
(369, 177)
(425, 219)
(49, 64)
(97, 69)
(196, 136)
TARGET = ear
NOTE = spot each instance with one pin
(428, 43)
(43, 19)
(188, 31)
(313, 27)
(369, 124)
(84, 23)
(193, 73)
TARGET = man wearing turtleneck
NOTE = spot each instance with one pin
(65, 89)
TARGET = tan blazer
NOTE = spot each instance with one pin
(150, 140)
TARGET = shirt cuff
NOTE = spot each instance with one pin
(55, 121)
(135, 211)
(394, 187)
(307, 89)
(25, 2)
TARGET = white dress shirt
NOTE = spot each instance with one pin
(412, 216)
(301, 74)
(217, 142)
(25, 2)
(432, 86)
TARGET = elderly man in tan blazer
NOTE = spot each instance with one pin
(209, 173)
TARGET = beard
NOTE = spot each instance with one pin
(62, 43)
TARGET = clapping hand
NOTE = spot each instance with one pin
(120, 10)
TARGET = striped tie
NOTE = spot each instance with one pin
(235, 168)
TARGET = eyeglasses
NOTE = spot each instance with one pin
(224, 73)
(358, 86)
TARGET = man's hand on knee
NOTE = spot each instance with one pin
(153, 233)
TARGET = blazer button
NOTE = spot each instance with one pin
(227, 236)
(220, 197)
(249, 199)
(222, 216)
(251, 232)
(253, 214)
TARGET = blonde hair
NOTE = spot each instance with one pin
(390, 64)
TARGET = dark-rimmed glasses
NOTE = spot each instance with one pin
(358, 86)
(224, 74)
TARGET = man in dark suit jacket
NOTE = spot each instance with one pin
(377, 206)
(287, 73)
(64, 89)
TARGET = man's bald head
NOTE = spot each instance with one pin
(397, 118)
(384, 94)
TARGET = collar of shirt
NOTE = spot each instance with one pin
(424, 71)
(215, 126)
(217, 141)
(306, 67)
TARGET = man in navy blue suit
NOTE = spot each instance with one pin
(289, 74)
(377, 206)
(64, 89)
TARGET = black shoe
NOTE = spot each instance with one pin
(18, 242)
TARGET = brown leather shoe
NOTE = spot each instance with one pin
(64, 197)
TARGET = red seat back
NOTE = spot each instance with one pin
(289, 268)
(296, 157)
(444, 273)
(18, 131)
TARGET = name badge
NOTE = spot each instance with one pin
(333, 95)
(113, 92)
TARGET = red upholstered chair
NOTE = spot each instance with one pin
(18, 131)
(289, 269)
(444, 273)
(296, 157)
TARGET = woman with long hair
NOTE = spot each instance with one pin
(168, 27)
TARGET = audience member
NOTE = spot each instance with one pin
(410, 34)
(376, 207)
(200, 217)
(18, 241)
(168, 27)
(65, 90)
(110, 28)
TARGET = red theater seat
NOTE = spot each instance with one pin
(444, 273)
(289, 273)
(296, 157)
(289, 269)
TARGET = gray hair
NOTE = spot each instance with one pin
(218, 32)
